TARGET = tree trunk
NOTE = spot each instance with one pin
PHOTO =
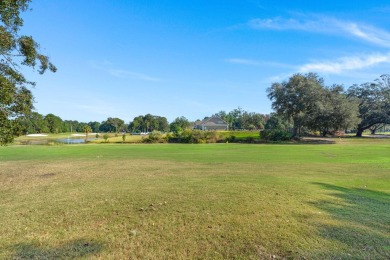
(359, 132)
(295, 129)
(295, 132)
(373, 131)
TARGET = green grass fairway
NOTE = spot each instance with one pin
(215, 201)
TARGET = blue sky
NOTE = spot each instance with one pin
(194, 58)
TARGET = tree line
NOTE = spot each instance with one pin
(33, 122)
(302, 104)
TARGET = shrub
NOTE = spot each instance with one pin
(167, 137)
(231, 138)
(211, 137)
(154, 137)
(276, 135)
(105, 137)
(250, 139)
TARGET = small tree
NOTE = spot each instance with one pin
(105, 137)
(87, 129)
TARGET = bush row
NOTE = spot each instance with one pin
(190, 136)
(193, 137)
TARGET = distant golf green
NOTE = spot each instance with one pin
(176, 201)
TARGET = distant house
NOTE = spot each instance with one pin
(212, 123)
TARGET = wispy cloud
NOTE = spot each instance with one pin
(336, 66)
(108, 67)
(129, 74)
(242, 61)
(257, 63)
(279, 23)
(346, 64)
(323, 24)
(367, 33)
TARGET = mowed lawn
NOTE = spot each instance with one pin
(216, 201)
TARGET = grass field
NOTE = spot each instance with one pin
(218, 201)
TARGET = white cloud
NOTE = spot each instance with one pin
(346, 64)
(242, 61)
(129, 74)
(323, 24)
(257, 63)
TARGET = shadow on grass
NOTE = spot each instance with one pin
(70, 250)
(362, 220)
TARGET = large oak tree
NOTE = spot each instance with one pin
(307, 102)
(374, 103)
(296, 98)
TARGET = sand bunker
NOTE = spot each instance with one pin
(83, 134)
(36, 135)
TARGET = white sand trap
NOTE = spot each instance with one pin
(36, 135)
(83, 134)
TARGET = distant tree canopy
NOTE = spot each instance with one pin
(149, 123)
(112, 124)
(307, 102)
(32, 123)
(179, 124)
(16, 99)
(241, 119)
(54, 123)
(277, 122)
(94, 126)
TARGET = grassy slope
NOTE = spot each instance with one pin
(188, 201)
